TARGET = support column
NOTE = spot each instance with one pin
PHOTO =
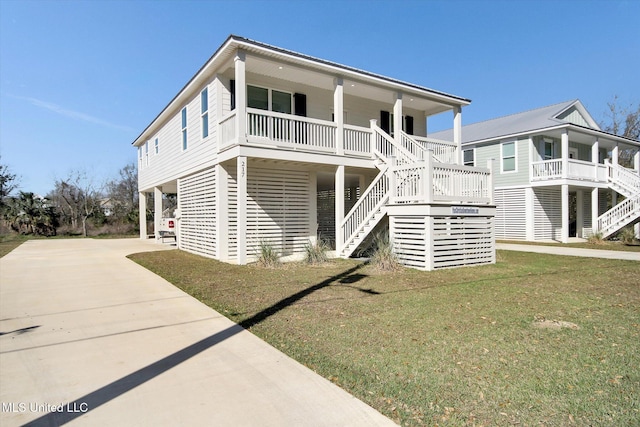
(157, 211)
(338, 113)
(457, 132)
(339, 196)
(142, 212)
(595, 156)
(222, 213)
(313, 207)
(579, 213)
(614, 155)
(397, 116)
(564, 232)
(564, 151)
(636, 166)
(595, 211)
(241, 96)
(241, 166)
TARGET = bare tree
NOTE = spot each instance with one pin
(77, 198)
(8, 183)
(624, 121)
(123, 192)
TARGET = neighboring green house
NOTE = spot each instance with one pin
(556, 173)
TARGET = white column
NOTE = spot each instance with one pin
(614, 155)
(313, 207)
(339, 196)
(338, 113)
(142, 212)
(530, 234)
(242, 169)
(594, 210)
(222, 212)
(157, 211)
(579, 213)
(397, 115)
(595, 156)
(241, 96)
(565, 153)
(457, 132)
(565, 213)
(636, 161)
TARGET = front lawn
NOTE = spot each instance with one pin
(533, 340)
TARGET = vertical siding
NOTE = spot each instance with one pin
(197, 226)
(547, 205)
(573, 116)
(511, 218)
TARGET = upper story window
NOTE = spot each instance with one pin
(508, 157)
(204, 112)
(268, 99)
(146, 153)
(155, 146)
(468, 157)
(184, 128)
(548, 149)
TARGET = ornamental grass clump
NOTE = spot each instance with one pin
(627, 236)
(268, 256)
(316, 253)
(383, 257)
(596, 239)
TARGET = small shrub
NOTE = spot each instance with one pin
(316, 253)
(268, 256)
(383, 258)
(627, 236)
(596, 239)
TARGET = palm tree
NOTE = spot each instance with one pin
(30, 214)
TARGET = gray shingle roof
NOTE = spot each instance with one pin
(526, 121)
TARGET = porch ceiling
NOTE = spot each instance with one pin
(305, 75)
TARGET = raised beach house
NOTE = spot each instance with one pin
(269, 146)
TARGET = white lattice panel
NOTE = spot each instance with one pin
(462, 241)
(197, 226)
(547, 208)
(510, 221)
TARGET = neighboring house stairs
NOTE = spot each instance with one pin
(627, 183)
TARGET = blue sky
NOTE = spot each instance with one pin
(79, 80)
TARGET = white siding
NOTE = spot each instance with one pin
(172, 162)
(510, 221)
(410, 240)
(547, 206)
(197, 225)
(493, 151)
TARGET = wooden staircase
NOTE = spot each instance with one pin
(627, 183)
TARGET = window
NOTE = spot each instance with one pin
(155, 144)
(204, 112)
(184, 128)
(549, 149)
(146, 153)
(468, 157)
(268, 99)
(509, 157)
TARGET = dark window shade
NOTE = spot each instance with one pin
(385, 123)
(232, 89)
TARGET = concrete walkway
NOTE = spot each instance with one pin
(563, 250)
(89, 337)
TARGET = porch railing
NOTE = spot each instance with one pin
(428, 181)
(228, 129)
(296, 131)
(443, 151)
(357, 140)
(576, 169)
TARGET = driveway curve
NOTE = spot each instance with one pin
(88, 337)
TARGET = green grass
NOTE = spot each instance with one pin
(450, 347)
(607, 245)
(9, 242)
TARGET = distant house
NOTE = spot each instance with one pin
(268, 146)
(557, 175)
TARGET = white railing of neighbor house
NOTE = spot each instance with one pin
(618, 216)
(227, 127)
(443, 151)
(357, 140)
(576, 169)
(296, 131)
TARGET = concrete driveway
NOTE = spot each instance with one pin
(91, 338)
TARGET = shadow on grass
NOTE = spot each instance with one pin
(72, 410)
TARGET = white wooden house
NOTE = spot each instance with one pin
(557, 174)
(268, 145)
